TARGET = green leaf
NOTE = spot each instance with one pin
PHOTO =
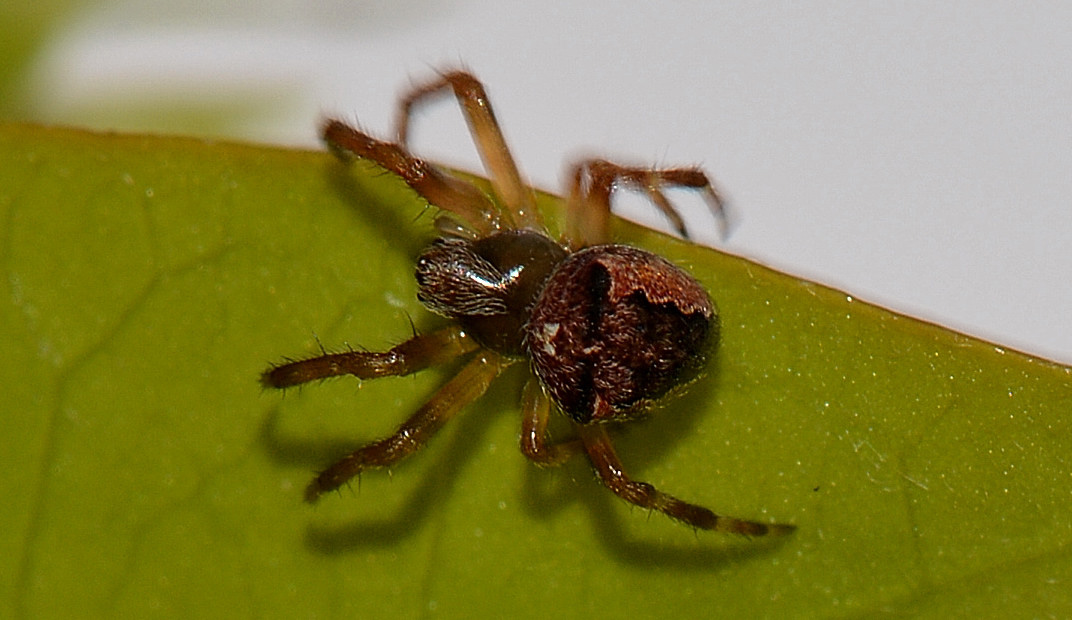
(148, 281)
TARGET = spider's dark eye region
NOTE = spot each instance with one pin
(615, 328)
(489, 285)
(455, 281)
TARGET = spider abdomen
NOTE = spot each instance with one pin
(615, 328)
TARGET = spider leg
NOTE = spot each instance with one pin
(535, 411)
(468, 385)
(600, 451)
(438, 188)
(415, 354)
(593, 181)
(487, 134)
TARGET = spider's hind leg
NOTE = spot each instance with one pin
(609, 469)
(592, 181)
(535, 412)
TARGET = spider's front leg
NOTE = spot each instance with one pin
(594, 180)
(609, 469)
(438, 188)
(411, 356)
(487, 134)
(415, 354)
(469, 384)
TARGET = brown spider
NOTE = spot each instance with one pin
(607, 329)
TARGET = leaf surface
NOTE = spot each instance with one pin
(148, 281)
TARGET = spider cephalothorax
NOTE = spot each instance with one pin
(607, 329)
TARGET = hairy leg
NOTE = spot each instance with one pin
(438, 188)
(469, 384)
(515, 194)
(600, 451)
(593, 181)
(535, 411)
(412, 355)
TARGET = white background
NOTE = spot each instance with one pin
(915, 154)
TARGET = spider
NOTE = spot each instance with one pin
(607, 329)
